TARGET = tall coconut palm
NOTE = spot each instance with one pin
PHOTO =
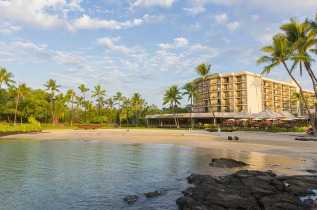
(88, 106)
(71, 95)
(6, 77)
(280, 52)
(98, 92)
(296, 35)
(203, 70)
(83, 89)
(110, 103)
(53, 87)
(296, 99)
(20, 91)
(173, 95)
(137, 101)
(118, 97)
(191, 89)
(79, 101)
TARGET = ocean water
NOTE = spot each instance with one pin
(98, 175)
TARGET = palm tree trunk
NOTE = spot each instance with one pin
(119, 114)
(72, 112)
(190, 114)
(311, 74)
(0, 85)
(174, 114)
(85, 107)
(16, 109)
(52, 112)
(311, 118)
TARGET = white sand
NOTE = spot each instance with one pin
(262, 142)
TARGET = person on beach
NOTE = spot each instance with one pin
(219, 130)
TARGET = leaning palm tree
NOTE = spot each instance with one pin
(83, 89)
(173, 95)
(98, 92)
(118, 97)
(191, 89)
(71, 95)
(296, 35)
(280, 52)
(52, 86)
(6, 77)
(20, 91)
(204, 70)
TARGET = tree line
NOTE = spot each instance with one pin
(18, 102)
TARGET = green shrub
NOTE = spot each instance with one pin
(276, 129)
(33, 125)
(297, 129)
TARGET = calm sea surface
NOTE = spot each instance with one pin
(98, 175)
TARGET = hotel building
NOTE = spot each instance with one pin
(234, 92)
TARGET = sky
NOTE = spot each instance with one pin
(140, 46)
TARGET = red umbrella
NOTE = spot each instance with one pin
(266, 121)
(280, 122)
(228, 121)
(252, 121)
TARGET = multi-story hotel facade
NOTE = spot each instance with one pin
(234, 92)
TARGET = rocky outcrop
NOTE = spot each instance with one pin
(156, 193)
(248, 190)
(131, 199)
(226, 163)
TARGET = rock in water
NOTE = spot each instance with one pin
(226, 163)
(245, 189)
(311, 171)
(156, 193)
(131, 199)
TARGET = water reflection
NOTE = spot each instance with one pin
(92, 174)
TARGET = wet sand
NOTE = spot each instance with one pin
(262, 142)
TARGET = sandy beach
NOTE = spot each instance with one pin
(268, 143)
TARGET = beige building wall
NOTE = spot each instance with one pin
(254, 94)
(233, 92)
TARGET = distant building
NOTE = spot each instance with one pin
(231, 93)
(234, 92)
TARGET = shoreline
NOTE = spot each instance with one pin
(281, 144)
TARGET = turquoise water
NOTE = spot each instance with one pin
(98, 175)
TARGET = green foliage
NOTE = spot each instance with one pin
(33, 125)
(297, 129)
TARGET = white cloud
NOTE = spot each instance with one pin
(85, 22)
(153, 18)
(109, 43)
(222, 18)
(178, 43)
(195, 26)
(42, 14)
(153, 3)
(7, 28)
(233, 26)
(195, 10)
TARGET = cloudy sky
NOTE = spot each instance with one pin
(140, 46)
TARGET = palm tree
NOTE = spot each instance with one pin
(172, 95)
(79, 101)
(191, 89)
(296, 98)
(204, 70)
(52, 86)
(110, 102)
(88, 106)
(83, 89)
(280, 52)
(71, 95)
(6, 77)
(118, 97)
(20, 91)
(296, 35)
(98, 92)
(101, 101)
(137, 101)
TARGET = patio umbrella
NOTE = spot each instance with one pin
(243, 119)
(228, 121)
(280, 122)
(266, 121)
(242, 115)
(252, 121)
